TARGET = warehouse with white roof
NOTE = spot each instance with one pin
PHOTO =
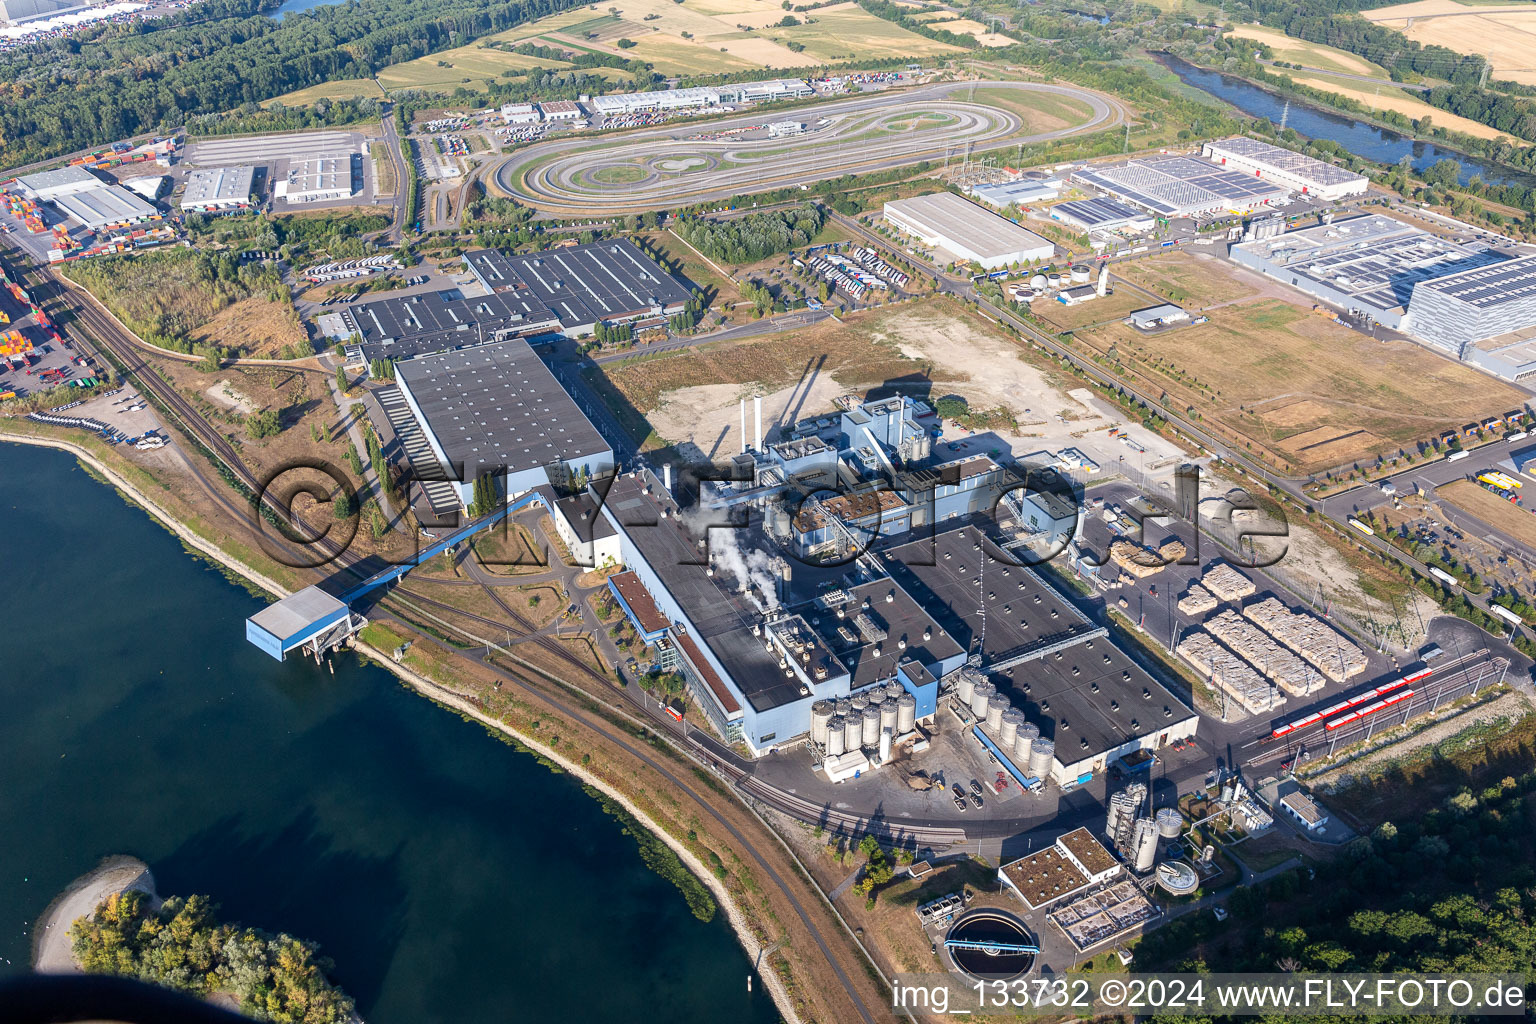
(218, 188)
(1295, 171)
(967, 231)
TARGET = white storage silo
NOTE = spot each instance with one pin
(860, 701)
(979, 699)
(1040, 756)
(996, 705)
(871, 728)
(906, 714)
(1170, 823)
(965, 689)
(894, 690)
(1081, 273)
(821, 717)
(885, 745)
(888, 716)
(835, 737)
(1145, 845)
(1023, 745)
(1012, 719)
(853, 732)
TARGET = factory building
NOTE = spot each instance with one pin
(966, 231)
(1102, 215)
(317, 179)
(22, 10)
(1371, 264)
(398, 327)
(104, 207)
(560, 110)
(1072, 864)
(698, 97)
(218, 189)
(1291, 170)
(1486, 316)
(1181, 186)
(497, 409)
(520, 113)
(607, 282)
(1018, 193)
(46, 186)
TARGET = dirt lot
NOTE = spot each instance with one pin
(1307, 393)
(1116, 306)
(1194, 280)
(1502, 515)
(255, 327)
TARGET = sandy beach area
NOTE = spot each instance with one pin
(50, 938)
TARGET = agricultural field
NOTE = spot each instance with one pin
(1297, 389)
(1504, 33)
(1388, 97)
(969, 27)
(1504, 516)
(346, 89)
(463, 65)
(1312, 55)
(848, 31)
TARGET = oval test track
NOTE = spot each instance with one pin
(555, 176)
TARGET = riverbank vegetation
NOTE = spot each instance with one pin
(181, 945)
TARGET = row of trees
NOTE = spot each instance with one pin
(182, 946)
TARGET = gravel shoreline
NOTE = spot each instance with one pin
(51, 953)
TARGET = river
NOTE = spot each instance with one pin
(1379, 144)
(296, 6)
(450, 877)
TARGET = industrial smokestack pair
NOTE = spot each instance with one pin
(757, 412)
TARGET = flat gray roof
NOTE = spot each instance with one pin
(498, 405)
(109, 204)
(297, 612)
(583, 284)
(977, 229)
(218, 185)
(60, 177)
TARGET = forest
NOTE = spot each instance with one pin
(753, 237)
(118, 81)
(182, 946)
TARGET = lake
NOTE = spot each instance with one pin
(450, 877)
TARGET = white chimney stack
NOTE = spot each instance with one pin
(1103, 280)
(743, 426)
(666, 477)
(757, 412)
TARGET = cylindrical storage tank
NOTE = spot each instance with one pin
(1040, 756)
(1023, 744)
(888, 716)
(821, 716)
(996, 705)
(1054, 280)
(885, 745)
(1170, 823)
(979, 699)
(835, 737)
(1012, 719)
(965, 689)
(845, 707)
(853, 732)
(860, 701)
(894, 690)
(871, 730)
(1037, 282)
(906, 714)
(1080, 274)
(1145, 845)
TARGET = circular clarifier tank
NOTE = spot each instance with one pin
(981, 944)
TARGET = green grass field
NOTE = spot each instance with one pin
(474, 62)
